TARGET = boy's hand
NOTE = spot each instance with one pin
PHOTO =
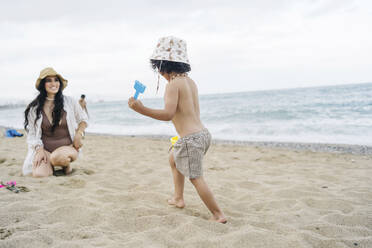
(136, 105)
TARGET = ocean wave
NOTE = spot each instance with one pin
(12, 106)
(338, 114)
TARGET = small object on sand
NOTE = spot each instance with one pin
(11, 133)
(10, 186)
(140, 88)
(23, 189)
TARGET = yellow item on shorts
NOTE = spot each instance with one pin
(173, 140)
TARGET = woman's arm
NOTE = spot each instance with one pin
(79, 113)
(33, 134)
(82, 122)
(34, 139)
(81, 128)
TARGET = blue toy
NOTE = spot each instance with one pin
(12, 133)
(140, 88)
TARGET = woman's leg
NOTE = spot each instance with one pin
(63, 156)
(44, 169)
(179, 182)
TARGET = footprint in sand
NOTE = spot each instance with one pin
(4, 233)
(88, 172)
(147, 171)
(194, 212)
(329, 205)
(12, 173)
(249, 185)
(74, 183)
(218, 168)
(350, 220)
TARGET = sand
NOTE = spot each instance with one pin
(117, 195)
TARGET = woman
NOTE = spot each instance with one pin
(55, 126)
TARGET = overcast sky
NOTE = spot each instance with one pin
(101, 47)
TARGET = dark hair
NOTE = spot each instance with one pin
(82, 96)
(169, 66)
(39, 101)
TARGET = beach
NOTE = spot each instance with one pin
(116, 197)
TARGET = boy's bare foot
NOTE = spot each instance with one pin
(219, 219)
(178, 203)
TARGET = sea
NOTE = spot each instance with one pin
(331, 115)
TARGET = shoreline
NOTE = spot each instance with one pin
(294, 146)
(364, 150)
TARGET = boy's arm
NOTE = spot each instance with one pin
(170, 105)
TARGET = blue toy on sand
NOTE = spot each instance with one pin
(140, 88)
(10, 133)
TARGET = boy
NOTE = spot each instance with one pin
(182, 108)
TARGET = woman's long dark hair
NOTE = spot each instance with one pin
(39, 101)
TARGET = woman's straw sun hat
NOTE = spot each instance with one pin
(49, 71)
